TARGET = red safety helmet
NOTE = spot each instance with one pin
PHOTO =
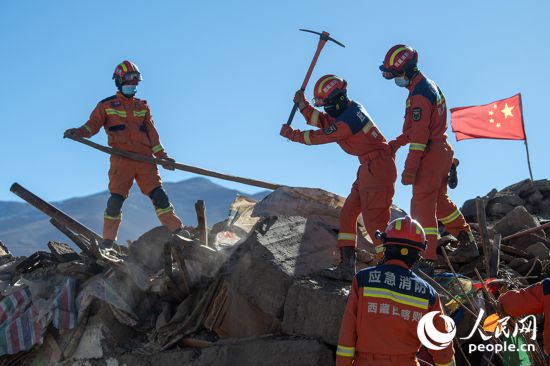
(126, 71)
(326, 88)
(404, 232)
(398, 60)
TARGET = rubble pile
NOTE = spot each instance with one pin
(252, 296)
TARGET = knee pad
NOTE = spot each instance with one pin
(114, 205)
(160, 198)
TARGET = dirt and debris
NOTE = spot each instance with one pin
(252, 296)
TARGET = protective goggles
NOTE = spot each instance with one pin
(131, 76)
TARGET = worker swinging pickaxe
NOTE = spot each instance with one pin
(323, 38)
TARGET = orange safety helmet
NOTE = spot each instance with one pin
(328, 87)
(404, 232)
(126, 71)
(398, 60)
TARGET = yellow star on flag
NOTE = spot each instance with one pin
(491, 113)
(498, 125)
(507, 111)
(491, 120)
(494, 106)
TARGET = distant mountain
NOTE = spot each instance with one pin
(25, 230)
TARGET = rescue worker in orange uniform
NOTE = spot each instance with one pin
(535, 300)
(430, 156)
(379, 325)
(348, 124)
(129, 126)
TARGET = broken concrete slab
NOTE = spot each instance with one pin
(148, 249)
(538, 250)
(498, 209)
(314, 309)
(62, 252)
(508, 198)
(516, 220)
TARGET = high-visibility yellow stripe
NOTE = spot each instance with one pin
(382, 293)
(111, 111)
(162, 211)
(123, 67)
(324, 82)
(88, 128)
(314, 121)
(140, 113)
(368, 127)
(392, 58)
(157, 148)
(347, 236)
(345, 351)
(379, 248)
(114, 218)
(431, 231)
(450, 218)
(452, 363)
(307, 140)
(418, 230)
(398, 225)
(408, 103)
(417, 146)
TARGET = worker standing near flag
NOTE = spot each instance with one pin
(430, 156)
(129, 126)
(386, 302)
(348, 124)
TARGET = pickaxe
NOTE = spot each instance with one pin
(323, 38)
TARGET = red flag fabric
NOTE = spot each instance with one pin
(498, 120)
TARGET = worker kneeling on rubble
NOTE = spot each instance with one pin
(379, 326)
(347, 123)
(129, 126)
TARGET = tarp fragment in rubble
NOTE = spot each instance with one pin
(24, 322)
(517, 358)
(238, 224)
(102, 288)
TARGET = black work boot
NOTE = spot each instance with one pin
(106, 244)
(466, 250)
(345, 270)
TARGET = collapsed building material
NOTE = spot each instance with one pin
(62, 252)
(202, 225)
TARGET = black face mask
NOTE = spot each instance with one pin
(336, 105)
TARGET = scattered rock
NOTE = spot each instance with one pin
(538, 250)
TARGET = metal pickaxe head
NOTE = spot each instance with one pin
(325, 36)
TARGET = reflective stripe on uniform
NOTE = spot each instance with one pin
(347, 236)
(431, 231)
(452, 363)
(417, 146)
(307, 140)
(392, 58)
(324, 82)
(314, 120)
(114, 218)
(450, 218)
(157, 148)
(140, 113)
(162, 211)
(88, 128)
(379, 248)
(123, 65)
(345, 351)
(398, 225)
(368, 127)
(111, 111)
(382, 293)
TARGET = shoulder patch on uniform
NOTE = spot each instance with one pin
(330, 129)
(108, 98)
(546, 287)
(416, 114)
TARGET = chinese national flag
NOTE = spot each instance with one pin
(498, 120)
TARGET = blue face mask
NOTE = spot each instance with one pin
(129, 89)
(402, 81)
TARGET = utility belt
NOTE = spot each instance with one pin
(365, 159)
(381, 357)
(116, 128)
(440, 140)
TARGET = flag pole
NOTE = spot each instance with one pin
(525, 135)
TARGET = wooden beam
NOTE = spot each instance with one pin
(202, 225)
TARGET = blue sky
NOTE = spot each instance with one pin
(220, 76)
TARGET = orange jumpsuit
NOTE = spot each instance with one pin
(429, 161)
(534, 299)
(372, 192)
(381, 316)
(129, 127)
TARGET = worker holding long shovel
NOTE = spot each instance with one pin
(347, 123)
